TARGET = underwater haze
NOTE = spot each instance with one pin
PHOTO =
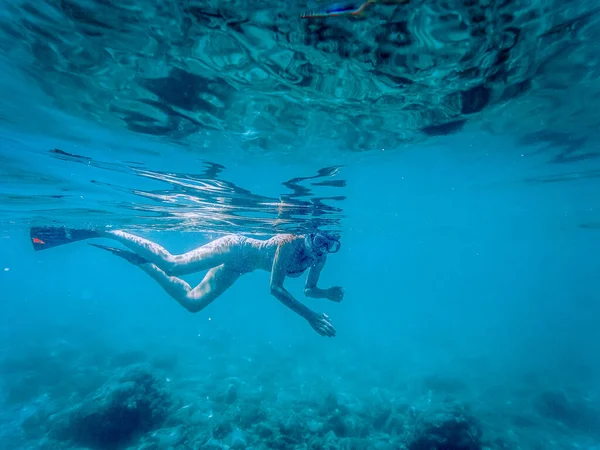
(452, 145)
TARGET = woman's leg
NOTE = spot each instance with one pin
(216, 281)
(220, 251)
(210, 255)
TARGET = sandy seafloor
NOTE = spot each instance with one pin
(73, 391)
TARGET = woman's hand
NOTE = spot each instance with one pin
(322, 325)
(335, 294)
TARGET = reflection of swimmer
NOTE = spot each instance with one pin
(226, 259)
(347, 9)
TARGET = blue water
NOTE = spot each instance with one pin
(469, 223)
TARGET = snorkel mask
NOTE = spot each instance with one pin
(324, 242)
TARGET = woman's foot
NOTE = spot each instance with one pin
(132, 257)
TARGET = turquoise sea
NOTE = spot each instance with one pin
(452, 144)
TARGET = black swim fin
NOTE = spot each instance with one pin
(132, 257)
(47, 237)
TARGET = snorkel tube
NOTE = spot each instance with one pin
(347, 9)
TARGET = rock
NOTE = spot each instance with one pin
(231, 395)
(382, 418)
(222, 430)
(132, 403)
(330, 437)
(573, 412)
(168, 437)
(380, 445)
(293, 429)
(146, 446)
(263, 431)
(330, 403)
(236, 439)
(214, 444)
(453, 429)
(192, 415)
(314, 427)
(342, 425)
(251, 414)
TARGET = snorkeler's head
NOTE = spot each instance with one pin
(324, 242)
